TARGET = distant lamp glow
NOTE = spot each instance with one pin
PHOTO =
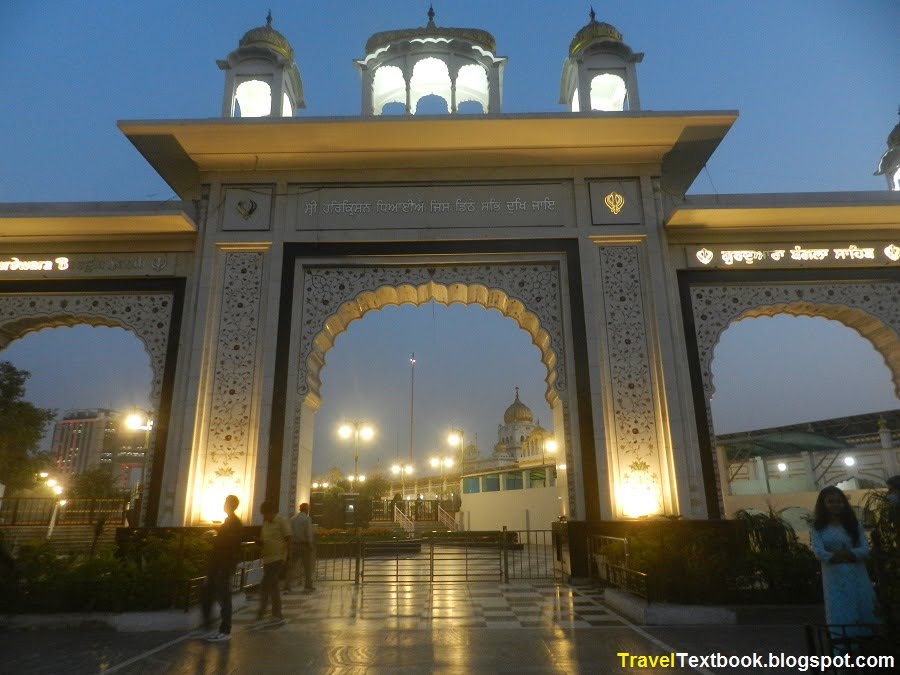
(637, 500)
(52, 483)
(43, 474)
(63, 502)
(315, 486)
(562, 467)
(325, 485)
(782, 466)
(362, 479)
(345, 431)
(366, 432)
(57, 489)
(849, 461)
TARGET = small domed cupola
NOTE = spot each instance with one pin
(889, 166)
(261, 77)
(457, 65)
(518, 412)
(600, 72)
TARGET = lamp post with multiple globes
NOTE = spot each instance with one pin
(357, 430)
(442, 462)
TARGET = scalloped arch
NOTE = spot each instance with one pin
(147, 316)
(408, 294)
(882, 338)
(869, 308)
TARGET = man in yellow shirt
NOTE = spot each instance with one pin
(276, 545)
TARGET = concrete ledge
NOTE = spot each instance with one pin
(663, 614)
(125, 622)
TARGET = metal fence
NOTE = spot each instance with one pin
(498, 556)
(609, 560)
(40, 511)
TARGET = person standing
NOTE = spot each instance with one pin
(276, 542)
(303, 541)
(839, 543)
(224, 557)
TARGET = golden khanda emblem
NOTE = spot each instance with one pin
(614, 202)
(893, 252)
(704, 255)
(245, 208)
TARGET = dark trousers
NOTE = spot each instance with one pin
(304, 555)
(269, 588)
(218, 589)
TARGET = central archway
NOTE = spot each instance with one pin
(334, 296)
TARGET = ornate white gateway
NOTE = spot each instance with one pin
(573, 224)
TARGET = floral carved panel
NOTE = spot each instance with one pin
(636, 436)
(228, 449)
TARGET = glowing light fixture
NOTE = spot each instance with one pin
(782, 466)
(637, 500)
(849, 461)
(254, 98)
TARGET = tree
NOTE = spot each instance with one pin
(97, 483)
(22, 426)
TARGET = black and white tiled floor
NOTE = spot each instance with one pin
(424, 606)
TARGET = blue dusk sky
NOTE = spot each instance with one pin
(816, 85)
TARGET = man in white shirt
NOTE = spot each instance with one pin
(303, 542)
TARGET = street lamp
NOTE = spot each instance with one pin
(403, 471)
(442, 462)
(357, 430)
(457, 438)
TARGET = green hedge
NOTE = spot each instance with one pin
(150, 574)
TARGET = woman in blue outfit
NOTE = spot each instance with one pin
(840, 544)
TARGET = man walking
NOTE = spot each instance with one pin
(224, 557)
(303, 540)
(276, 542)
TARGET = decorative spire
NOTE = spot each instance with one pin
(593, 15)
(517, 393)
(269, 19)
(431, 15)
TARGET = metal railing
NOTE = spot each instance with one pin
(40, 510)
(405, 522)
(443, 557)
(610, 558)
(446, 519)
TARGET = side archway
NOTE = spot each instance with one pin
(147, 315)
(870, 308)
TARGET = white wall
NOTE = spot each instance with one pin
(528, 509)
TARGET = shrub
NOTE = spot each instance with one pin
(150, 573)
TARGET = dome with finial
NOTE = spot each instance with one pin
(479, 38)
(266, 36)
(593, 31)
(517, 412)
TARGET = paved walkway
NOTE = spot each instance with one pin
(406, 629)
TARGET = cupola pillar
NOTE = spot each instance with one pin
(456, 64)
(261, 77)
(600, 72)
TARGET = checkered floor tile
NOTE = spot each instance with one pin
(425, 606)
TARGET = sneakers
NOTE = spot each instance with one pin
(219, 637)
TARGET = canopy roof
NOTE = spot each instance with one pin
(679, 144)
